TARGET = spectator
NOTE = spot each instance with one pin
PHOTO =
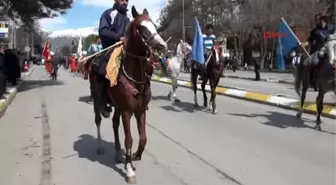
(13, 66)
(257, 69)
(3, 73)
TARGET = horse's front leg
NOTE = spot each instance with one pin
(303, 98)
(98, 119)
(319, 105)
(213, 85)
(130, 174)
(141, 123)
(194, 75)
(172, 94)
(116, 124)
(205, 98)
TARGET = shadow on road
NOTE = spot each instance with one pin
(86, 147)
(280, 120)
(85, 99)
(184, 106)
(31, 84)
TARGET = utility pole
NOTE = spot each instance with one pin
(27, 42)
(183, 31)
(183, 26)
(32, 45)
(14, 35)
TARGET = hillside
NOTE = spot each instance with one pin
(61, 38)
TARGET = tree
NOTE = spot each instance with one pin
(66, 50)
(89, 40)
(27, 11)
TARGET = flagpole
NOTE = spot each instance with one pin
(283, 20)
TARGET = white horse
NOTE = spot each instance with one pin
(174, 67)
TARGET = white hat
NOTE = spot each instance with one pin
(84, 53)
(52, 53)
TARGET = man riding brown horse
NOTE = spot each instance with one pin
(112, 28)
(128, 89)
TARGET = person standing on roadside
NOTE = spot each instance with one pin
(3, 73)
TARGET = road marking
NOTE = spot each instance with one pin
(46, 148)
(223, 174)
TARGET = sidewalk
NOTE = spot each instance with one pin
(286, 78)
(12, 90)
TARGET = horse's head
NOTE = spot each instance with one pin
(143, 29)
(217, 52)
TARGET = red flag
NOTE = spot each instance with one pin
(46, 51)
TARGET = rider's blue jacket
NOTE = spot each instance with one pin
(112, 26)
(318, 37)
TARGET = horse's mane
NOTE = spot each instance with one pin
(140, 18)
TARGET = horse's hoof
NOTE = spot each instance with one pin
(214, 112)
(298, 115)
(318, 127)
(100, 151)
(177, 100)
(131, 179)
(318, 121)
(105, 114)
(136, 157)
(108, 109)
(196, 105)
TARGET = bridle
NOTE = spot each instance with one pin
(147, 58)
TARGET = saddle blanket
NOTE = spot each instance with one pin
(113, 65)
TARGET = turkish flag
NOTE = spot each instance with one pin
(46, 51)
(46, 54)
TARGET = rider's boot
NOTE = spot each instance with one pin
(105, 110)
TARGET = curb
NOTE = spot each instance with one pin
(286, 103)
(4, 103)
(271, 80)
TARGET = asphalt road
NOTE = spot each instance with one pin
(48, 135)
(285, 90)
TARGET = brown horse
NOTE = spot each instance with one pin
(212, 72)
(132, 93)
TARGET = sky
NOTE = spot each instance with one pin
(86, 13)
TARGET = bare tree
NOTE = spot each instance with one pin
(66, 50)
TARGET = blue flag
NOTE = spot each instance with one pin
(285, 44)
(197, 53)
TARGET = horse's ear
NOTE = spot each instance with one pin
(135, 13)
(145, 12)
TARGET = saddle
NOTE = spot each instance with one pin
(107, 67)
(113, 65)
